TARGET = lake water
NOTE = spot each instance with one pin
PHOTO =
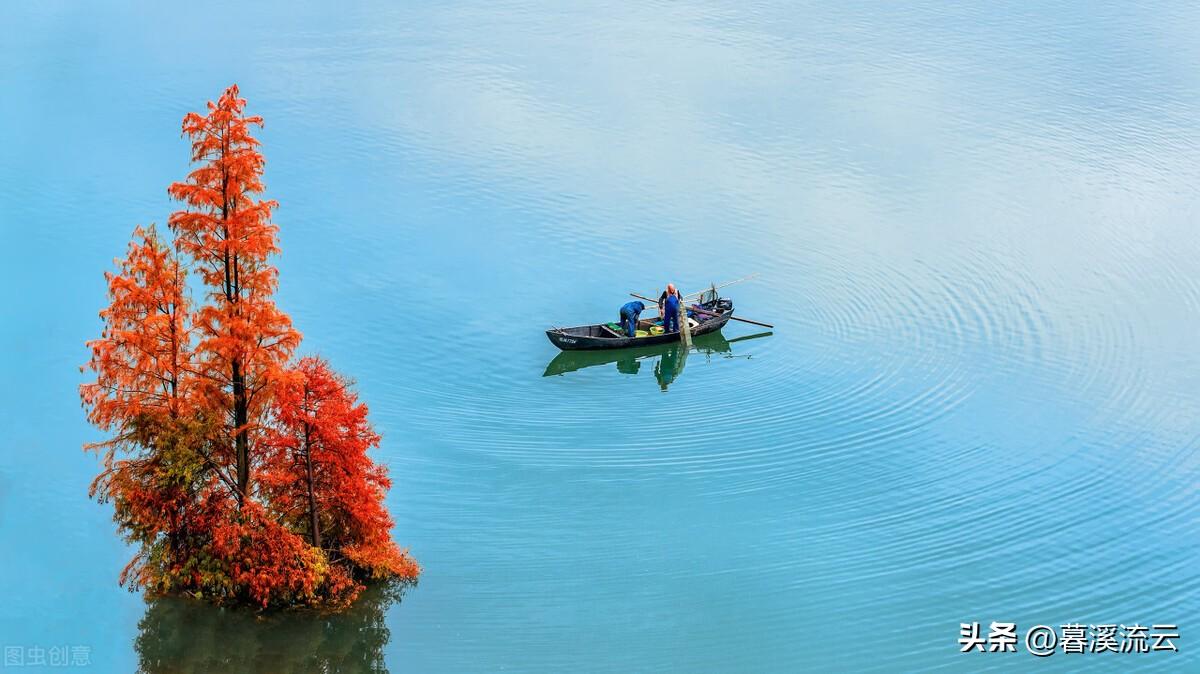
(975, 226)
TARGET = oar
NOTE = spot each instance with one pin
(710, 313)
(736, 318)
(743, 338)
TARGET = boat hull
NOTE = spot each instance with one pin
(589, 337)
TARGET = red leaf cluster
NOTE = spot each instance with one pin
(319, 475)
(141, 356)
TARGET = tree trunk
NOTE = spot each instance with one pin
(314, 526)
(241, 440)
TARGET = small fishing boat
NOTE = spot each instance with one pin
(710, 316)
(626, 359)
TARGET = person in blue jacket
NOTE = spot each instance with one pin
(670, 310)
(629, 317)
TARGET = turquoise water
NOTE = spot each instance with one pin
(975, 229)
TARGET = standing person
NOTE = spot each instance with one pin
(629, 317)
(662, 299)
(670, 310)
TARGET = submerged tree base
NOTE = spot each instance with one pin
(181, 636)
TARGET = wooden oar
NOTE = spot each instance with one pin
(743, 338)
(736, 318)
(710, 313)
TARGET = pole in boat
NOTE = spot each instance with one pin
(685, 328)
(711, 313)
(718, 286)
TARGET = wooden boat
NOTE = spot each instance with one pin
(716, 313)
(626, 359)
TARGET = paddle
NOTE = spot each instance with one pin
(757, 335)
(707, 312)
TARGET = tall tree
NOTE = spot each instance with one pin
(244, 339)
(198, 403)
(318, 475)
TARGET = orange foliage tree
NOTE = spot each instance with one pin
(141, 357)
(144, 396)
(320, 478)
(201, 405)
(244, 339)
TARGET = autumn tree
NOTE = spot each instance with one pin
(198, 402)
(226, 229)
(144, 397)
(141, 358)
(319, 478)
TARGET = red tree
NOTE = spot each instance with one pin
(243, 338)
(143, 395)
(319, 478)
(188, 396)
(141, 359)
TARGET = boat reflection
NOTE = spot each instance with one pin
(669, 359)
(181, 635)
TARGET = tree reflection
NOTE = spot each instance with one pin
(178, 635)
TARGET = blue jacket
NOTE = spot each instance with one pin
(632, 309)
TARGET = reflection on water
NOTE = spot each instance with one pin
(179, 635)
(669, 359)
(670, 365)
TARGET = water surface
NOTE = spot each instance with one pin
(975, 226)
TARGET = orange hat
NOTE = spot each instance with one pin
(670, 288)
